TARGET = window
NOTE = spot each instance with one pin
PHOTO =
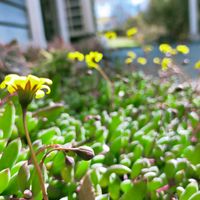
(14, 21)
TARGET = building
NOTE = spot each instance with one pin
(106, 20)
(35, 22)
(194, 19)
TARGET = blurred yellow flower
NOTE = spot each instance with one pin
(128, 61)
(148, 48)
(142, 60)
(131, 31)
(131, 55)
(166, 63)
(157, 61)
(110, 35)
(93, 58)
(197, 65)
(183, 49)
(173, 52)
(165, 48)
(75, 56)
(27, 87)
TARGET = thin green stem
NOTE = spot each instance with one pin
(104, 75)
(37, 167)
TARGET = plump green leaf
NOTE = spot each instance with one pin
(4, 179)
(137, 192)
(47, 134)
(10, 154)
(118, 169)
(191, 189)
(23, 177)
(7, 120)
(81, 168)
(114, 186)
(195, 196)
(126, 185)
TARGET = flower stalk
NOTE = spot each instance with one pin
(34, 159)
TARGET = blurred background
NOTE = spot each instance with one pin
(41, 21)
(82, 24)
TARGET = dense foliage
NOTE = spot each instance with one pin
(173, 16)
(145, 139)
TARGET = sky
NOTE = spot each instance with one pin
(104, 8)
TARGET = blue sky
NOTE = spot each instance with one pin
(104, 8)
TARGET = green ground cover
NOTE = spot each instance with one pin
(145, 137)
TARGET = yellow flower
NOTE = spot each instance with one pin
(197, 65)
(110, 35)
(173, 52)
(93, 58)
(147, 48)
(142, 60)
(131, 31)
(131, 55)
(166, 63)
(183, 49)
(128, 61)
(165, 48)
(157, 61)
(27, 87)
(75, 56)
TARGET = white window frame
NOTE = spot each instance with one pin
(36, 24)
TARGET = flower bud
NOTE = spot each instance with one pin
(27, 194)
(85, 152)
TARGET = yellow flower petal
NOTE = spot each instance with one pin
(3, 85)
(183, 49)
(76, 55)
(47, 88)
(110, 35)
(93, 58)
(46, 81)
(39, 94)
(11, 77)
(131, 32)
(26, 87)
(165, 48)
(166, 62)
(11, 89)
(157, 61)
(131, 54)
(34, 80)
(197, 65)
(128, 61)
(142, 60)
(21, 81)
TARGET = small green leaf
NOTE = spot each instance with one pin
(81, 168)
(4, 179)
(195, 196)
(114, 186)
(23, 177)
(191, 189)
(10, 154)
(47, 134)
(7, 120)
(126, 185)
(12, 186)
(36, 190)
(118, 169)
(137, 192)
